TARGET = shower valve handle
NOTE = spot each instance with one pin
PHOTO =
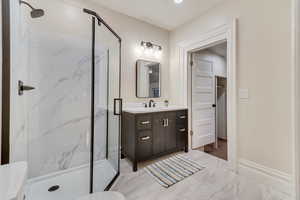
(23, 88)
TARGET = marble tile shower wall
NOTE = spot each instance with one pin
(61, 104)
(59, 115)
(54, 128)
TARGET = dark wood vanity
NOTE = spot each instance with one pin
(148, 136)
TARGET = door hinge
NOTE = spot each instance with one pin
(191, 132)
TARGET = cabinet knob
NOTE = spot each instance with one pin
(145, 122)
(182, 117)
(182, 130)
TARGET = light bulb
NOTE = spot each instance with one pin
(158, 54)
(139, 50)
(147, 52)
(178, 1)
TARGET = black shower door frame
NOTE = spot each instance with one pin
(95, 17)
(6, 68)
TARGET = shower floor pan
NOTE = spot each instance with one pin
(70, 184)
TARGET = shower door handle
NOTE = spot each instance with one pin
(23, 88)
(120, 106)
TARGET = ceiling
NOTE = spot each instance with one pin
(163, 13)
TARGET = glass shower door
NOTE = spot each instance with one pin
(106, 107)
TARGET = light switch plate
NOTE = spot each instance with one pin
(244, 95)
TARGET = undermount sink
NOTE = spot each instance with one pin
(152, 109)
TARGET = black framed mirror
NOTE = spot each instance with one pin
(148, 84)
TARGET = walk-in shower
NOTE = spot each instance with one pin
(68, 127)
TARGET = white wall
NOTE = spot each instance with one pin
(264, 60)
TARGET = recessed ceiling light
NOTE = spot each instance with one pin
(178, 1)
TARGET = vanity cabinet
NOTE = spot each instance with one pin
(151, 135)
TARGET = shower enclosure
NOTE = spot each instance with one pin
(67, 126)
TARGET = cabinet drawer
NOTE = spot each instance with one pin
(144, 122)
(181, 116)
(144, 150)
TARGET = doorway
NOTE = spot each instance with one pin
(217, 35)
(209, 99)
(219, 148)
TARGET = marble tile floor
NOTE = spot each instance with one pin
(215, 182)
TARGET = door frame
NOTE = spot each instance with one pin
(222, 33)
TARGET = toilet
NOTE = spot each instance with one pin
(103, 196)
(12, 180)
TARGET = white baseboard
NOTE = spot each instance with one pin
(265, 175)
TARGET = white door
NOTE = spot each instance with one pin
(203, 101)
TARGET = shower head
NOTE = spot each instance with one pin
(35, 13)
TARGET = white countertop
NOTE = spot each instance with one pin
(12, 179)
(139, 110)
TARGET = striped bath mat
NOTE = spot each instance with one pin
(172, 170)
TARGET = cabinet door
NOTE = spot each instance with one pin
(170, 131)
(158, 133)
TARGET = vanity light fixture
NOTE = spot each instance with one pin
(151, 49)
(150, 45)
(178, 1)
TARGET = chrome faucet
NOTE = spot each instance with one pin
(151, 103)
